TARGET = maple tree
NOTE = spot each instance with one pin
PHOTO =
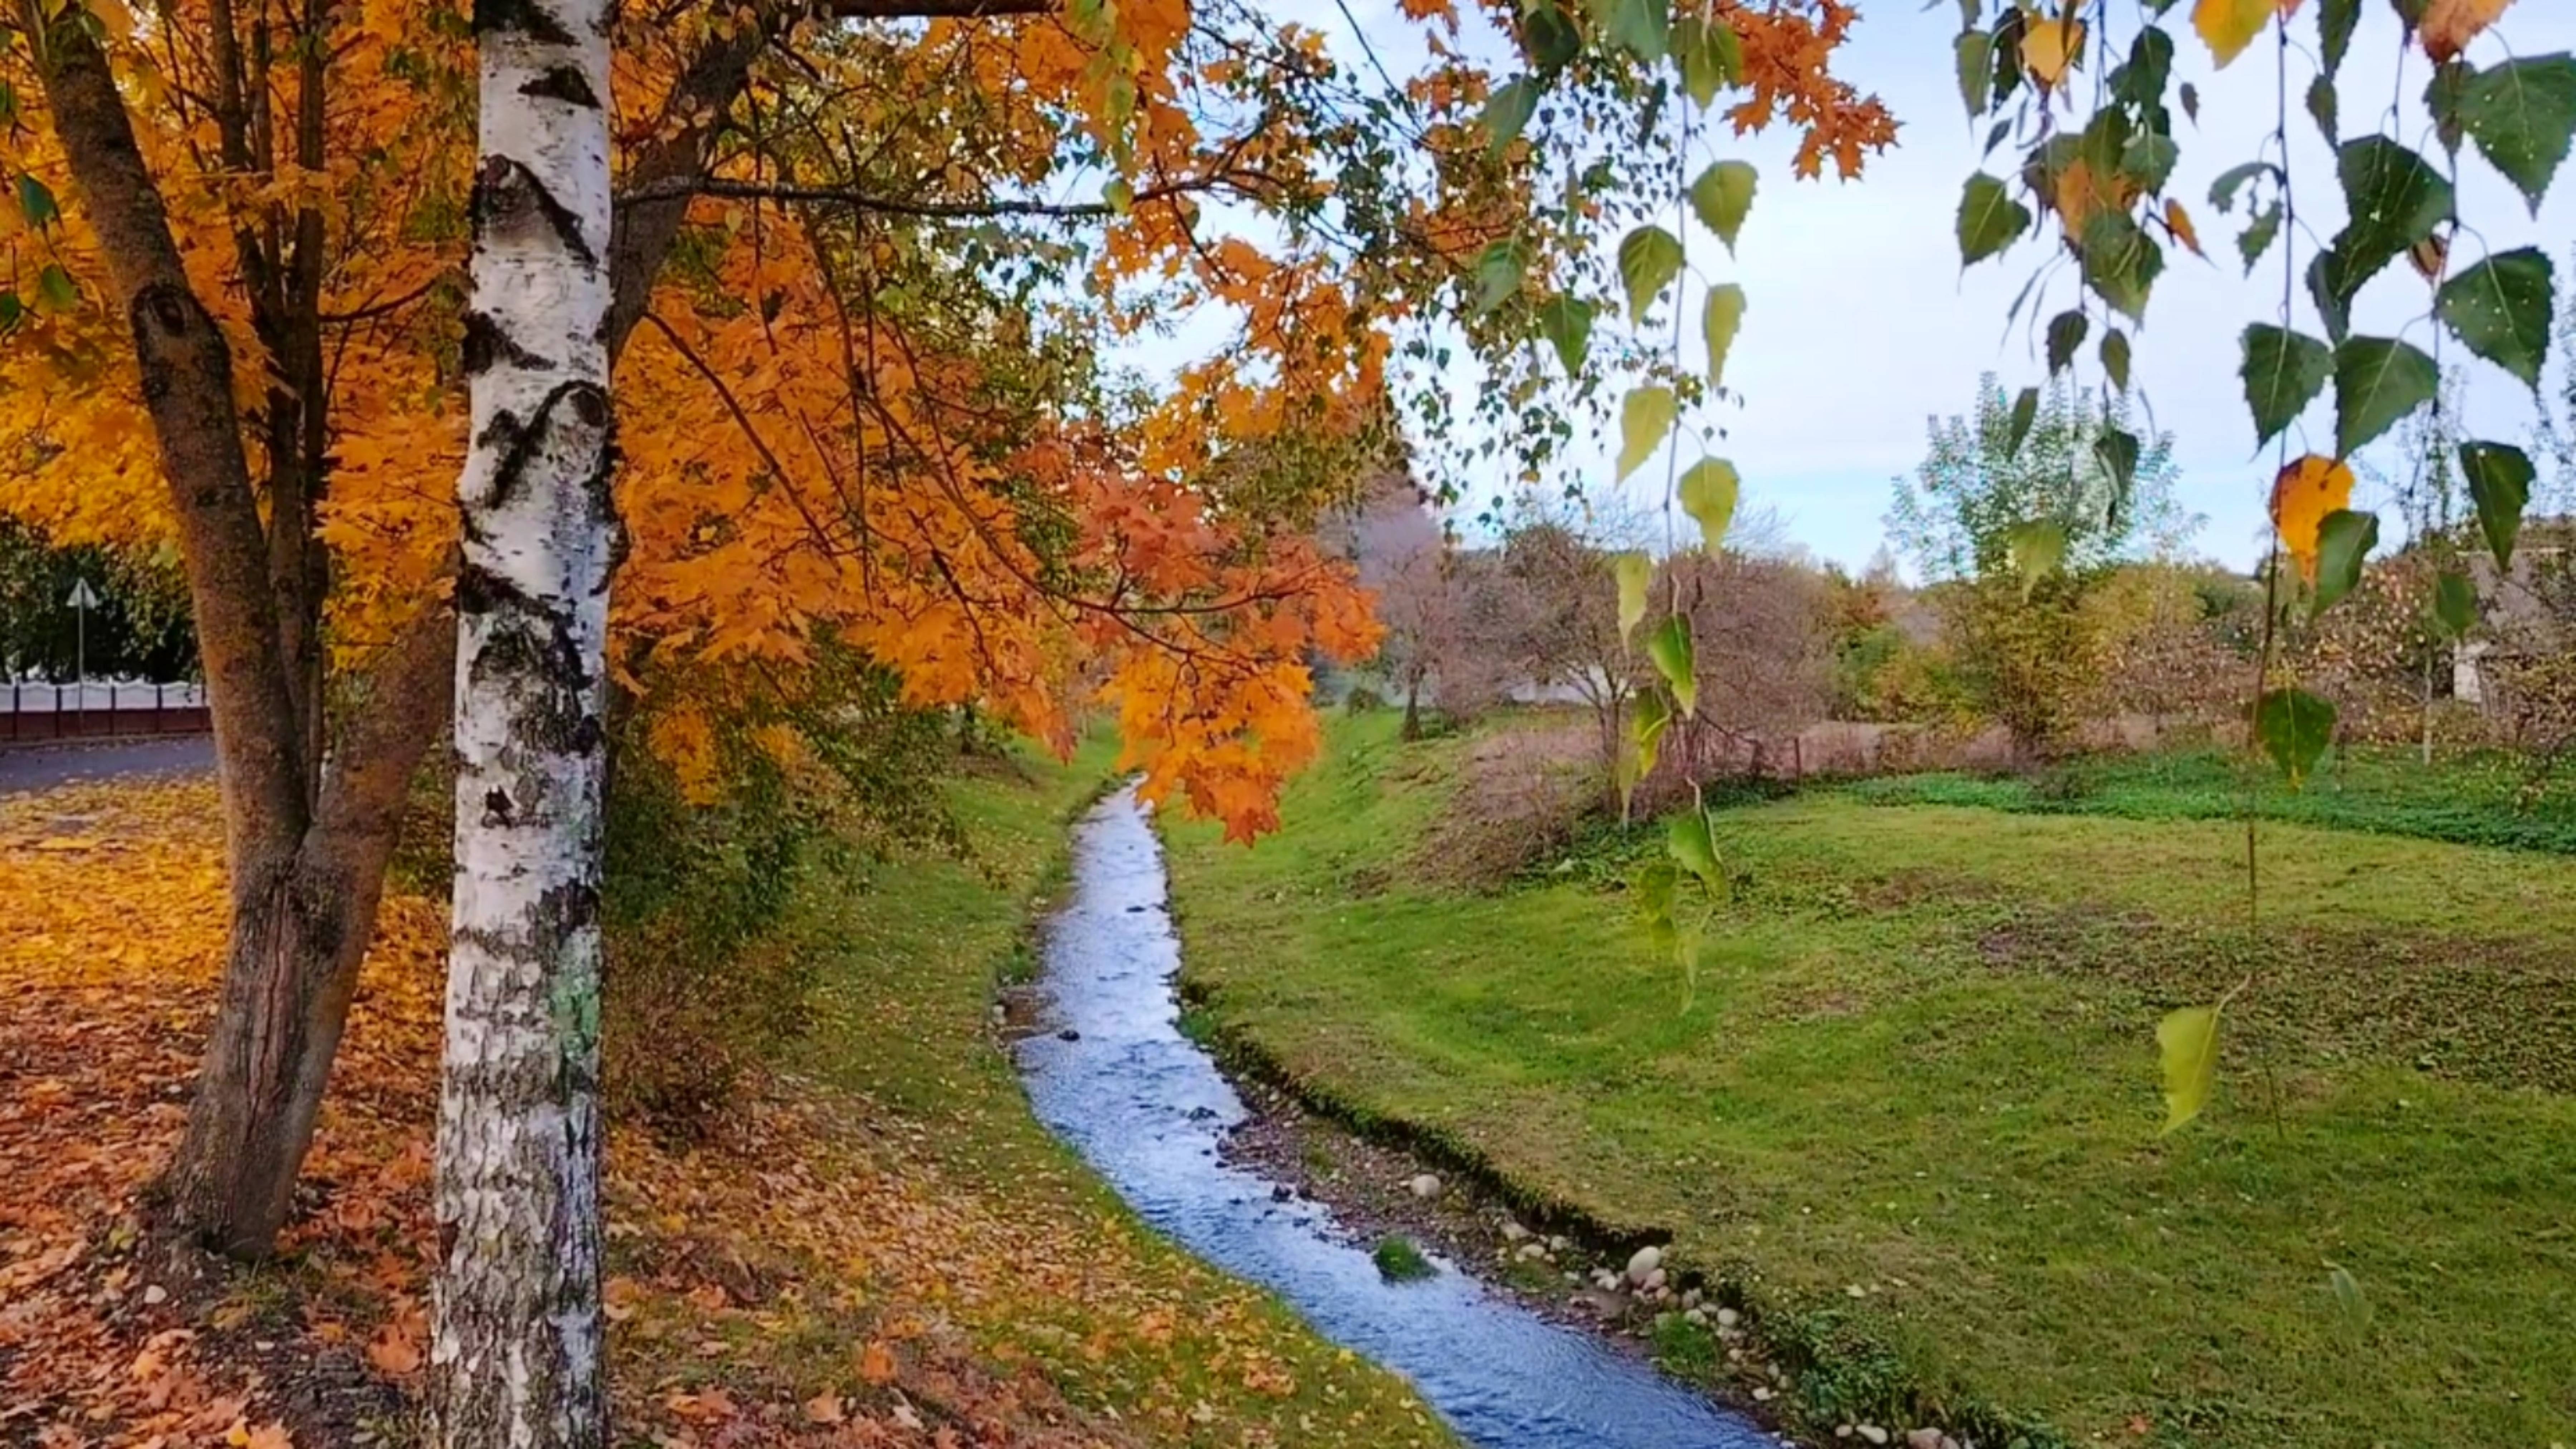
(857, 330)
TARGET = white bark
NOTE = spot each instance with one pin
(515, 1354)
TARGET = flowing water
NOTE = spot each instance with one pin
(1114, 1076)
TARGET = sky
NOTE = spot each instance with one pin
(1861, 324)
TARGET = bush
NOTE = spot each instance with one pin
(1363, 699)
(716, 817)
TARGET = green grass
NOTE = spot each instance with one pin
(2482, 799)
(1916, 1059)
(912, 956)
(1398, 1261)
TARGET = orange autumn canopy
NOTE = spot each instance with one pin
(873, 396)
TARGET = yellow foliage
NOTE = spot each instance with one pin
(2304, 493)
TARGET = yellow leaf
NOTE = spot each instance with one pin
(2188, 1041)
(2228, 26)
(2178, 221)
(2049, 48)
(266, 1436)
(2302, 496)
(2449, 25)
(825, 1408)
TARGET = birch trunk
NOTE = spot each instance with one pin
(515, 1353)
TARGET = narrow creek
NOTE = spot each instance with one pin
(1113, 1075)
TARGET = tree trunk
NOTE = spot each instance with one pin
(515, 1352)
(1413, 707)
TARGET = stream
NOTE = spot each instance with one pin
(1113, 1076)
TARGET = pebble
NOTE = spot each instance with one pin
(1761, 1394)
(1696, 1315)
(1644, 1262)
(1559, 1245)
(1926, 1439)
(1424, 1186)
(1530, 1252)
(1855, 1290)
(156, 1294)
(1728, 1318)
(1871, 1433)
(1654, 1281)
(1513, 1231)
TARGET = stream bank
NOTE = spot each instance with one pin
(1112, 1073)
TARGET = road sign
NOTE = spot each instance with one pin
(82, 597)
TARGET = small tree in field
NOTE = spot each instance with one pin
(2013, 512)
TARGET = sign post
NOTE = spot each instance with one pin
(82, 601)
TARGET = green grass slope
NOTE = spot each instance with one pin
(1908, 1099)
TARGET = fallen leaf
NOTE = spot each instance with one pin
(825, 1408)
(876, 1363)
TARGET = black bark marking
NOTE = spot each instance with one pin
(507, 195)
(517, 442)
(486, 344)
(481, 591)
(497, 809)
(524, 17)
(563, 83)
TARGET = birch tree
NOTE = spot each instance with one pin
(516, 1347)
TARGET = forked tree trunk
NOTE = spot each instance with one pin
(515, 1351)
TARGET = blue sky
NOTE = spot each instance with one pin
(1861, 324)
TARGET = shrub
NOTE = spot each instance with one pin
(1363, 699)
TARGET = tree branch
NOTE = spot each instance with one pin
(187, 373)
(682, 187)
(935, 9)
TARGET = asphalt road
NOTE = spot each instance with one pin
(41, 767)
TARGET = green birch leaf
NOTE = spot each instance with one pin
(2377, 381)
(1720, 316)
(1634, 571)
(1976, 57)
(1710, 56)
(1549, 36)
(1693, 846)
(2149, 159)
(2115, 358)
(54, 290)
(2283, 371)
(2065, 333)
(2025, 411)
(2036, 548)
(2295, 728)
(1722, 196)
(2499, 477)
(1989, 219)
(2455, 604)
(1669, 646)
(2344, 541)
(1707, 494)
(1566, 322)
(2520, 113)
(2117, 451)
(36, 201)
(2392, 199)
(2256, 239)
(2222, 192)
(2121, 262)
(2330, 287)
(2335, 22)
(1645, 419)
(1649, 258)
(2501, 309)
(1643, 26)
(1498, 275)
(2321, 108)
(1508, 112)
(1119, 195)
(2187, 1041)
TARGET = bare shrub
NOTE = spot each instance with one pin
(1521, 795)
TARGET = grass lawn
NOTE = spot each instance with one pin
(1036, 1255)
(2477, 799)
(1908, 1100)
